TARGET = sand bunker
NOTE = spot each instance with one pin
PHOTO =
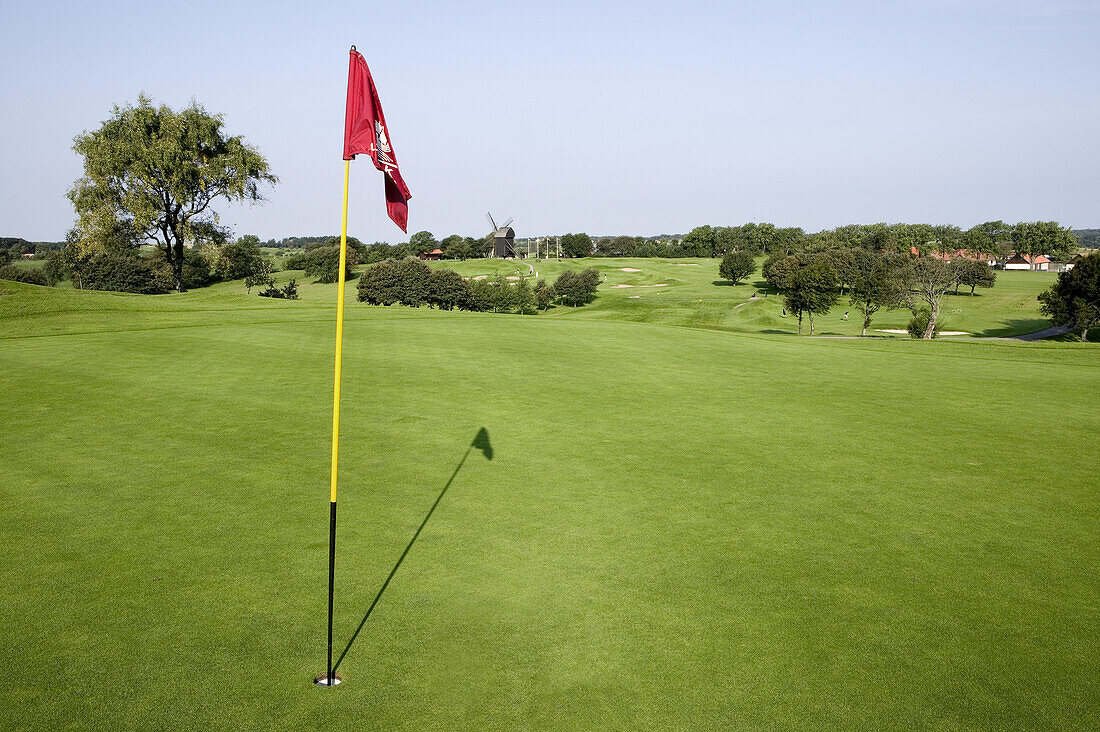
(618, 286)
(628, 269)
(905, 332)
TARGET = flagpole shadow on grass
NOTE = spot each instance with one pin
(481, 442)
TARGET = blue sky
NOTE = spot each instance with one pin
(636, 118)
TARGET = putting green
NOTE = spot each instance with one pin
(679, 528)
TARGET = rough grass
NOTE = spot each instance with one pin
(679, 528)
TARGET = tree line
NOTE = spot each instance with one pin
(412, 283)
(813, 282)
(994, 238)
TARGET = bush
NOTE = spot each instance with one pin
(22, 274)
(919, 323)
(123, 273)
(447, 290)
(197, 271)
(481, 296)
(378, 284)
(323, 262)
(577, 288)
(240, 259)
(290, 292)
(413, 277)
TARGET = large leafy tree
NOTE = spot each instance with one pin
(875, 285)
(699, 242)
(153, 174)
(1075, 298)
(576, 245)
(736, 266)
(455, 247)
(422, 241)
(972, 273)
(814, 288)
(1043, 237)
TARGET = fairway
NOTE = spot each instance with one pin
(680, 527)
(688, 292)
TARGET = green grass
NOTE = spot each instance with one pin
(692, 295)
(29, 263)
(679, 528)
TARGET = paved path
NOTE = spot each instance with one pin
(1045, 333)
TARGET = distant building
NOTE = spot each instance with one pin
(1036, 263)
(953, 255)
(433, 254)
(504, 245)
(1067, 265)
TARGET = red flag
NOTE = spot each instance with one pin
(365, 131)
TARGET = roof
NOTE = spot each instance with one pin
(949, 256)
(505, 231)
(1037, 259)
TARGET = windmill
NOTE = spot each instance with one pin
(503, 239)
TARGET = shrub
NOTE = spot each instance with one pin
(447, 290)
(22, 274)
(240, 259)
(412, 277)
(577, 288)
(481, 296)
(123, 273)
(919, 323)
(378, 284)
(197, 271)
(323, 262)
(290, 292)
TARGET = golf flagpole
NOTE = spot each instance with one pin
(365, 133)
(336, 416)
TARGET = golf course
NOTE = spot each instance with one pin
(661, 510)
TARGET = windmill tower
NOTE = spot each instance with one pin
(504, 237)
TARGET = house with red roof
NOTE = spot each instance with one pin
(433, 254)
(956, 254)
(1035, 263)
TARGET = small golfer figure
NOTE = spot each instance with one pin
(846, 315)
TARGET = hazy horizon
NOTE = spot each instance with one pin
(607, 118)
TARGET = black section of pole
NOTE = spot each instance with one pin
(331, 581)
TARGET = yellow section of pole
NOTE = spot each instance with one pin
(339, 334)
